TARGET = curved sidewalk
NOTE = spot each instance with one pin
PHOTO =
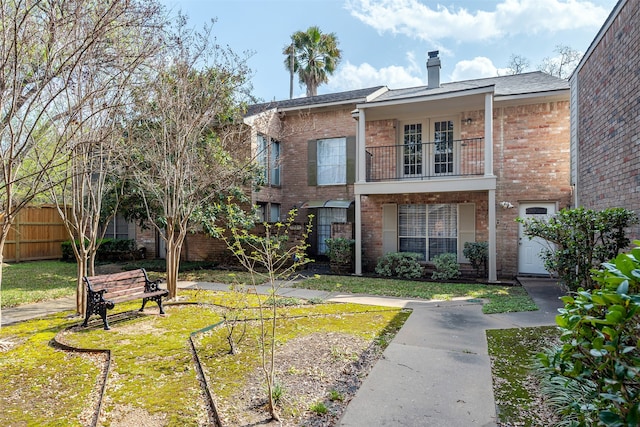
(435, 372)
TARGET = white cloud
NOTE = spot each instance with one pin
(350, 76)
(415, 19)
(475, 68)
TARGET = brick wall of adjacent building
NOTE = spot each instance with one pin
(609, 117)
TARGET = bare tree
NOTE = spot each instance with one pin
(563, 64)
(43, 45)
(189, 146)
(103, 82)
(518, 64)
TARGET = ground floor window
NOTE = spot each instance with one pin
(117, 228)
(429, 230)
(327, 216)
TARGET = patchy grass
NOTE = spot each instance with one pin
(518, 400)
(216, 276)
(152, 368)
(501, 298)
(29, 282)
(43, 280)
(42, 385)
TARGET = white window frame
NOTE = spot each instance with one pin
(426, 226)
(419, 146)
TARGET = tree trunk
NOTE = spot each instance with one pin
(174, 249)
(81, 291)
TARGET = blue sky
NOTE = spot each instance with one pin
(385, 42)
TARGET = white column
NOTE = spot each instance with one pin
(488, 134)
(361, 152)
(361, 177)
(493, 277)
(358, 237)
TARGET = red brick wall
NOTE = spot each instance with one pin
(531, 162)
(609, 118)
(296, 132)
(372, 217)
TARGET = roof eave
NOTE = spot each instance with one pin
(433, 97)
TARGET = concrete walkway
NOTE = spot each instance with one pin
(436, 371)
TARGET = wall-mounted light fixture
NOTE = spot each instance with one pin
(468, 120)
(506, 205)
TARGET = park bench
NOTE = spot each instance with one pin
(105, 291)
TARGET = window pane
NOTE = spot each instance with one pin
(412, 220)
(416, 245)
(412, 229)
(275, 163)
(274, 212)
(443, 229)
(443, 147)
(332, 161)
(412, 158)
(261, 156)
(327, 216)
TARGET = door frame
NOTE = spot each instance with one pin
(527, 252)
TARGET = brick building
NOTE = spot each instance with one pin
(422, 169)
(605, 115)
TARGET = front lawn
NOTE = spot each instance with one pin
(153, 376)
(28, 282)
(502, 299)
(43, 280)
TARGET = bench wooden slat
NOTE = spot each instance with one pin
(104, 291)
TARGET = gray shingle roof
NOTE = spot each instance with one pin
(352, 96)
(517, 84)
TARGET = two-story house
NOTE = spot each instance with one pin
(423, 169)
(605, 116)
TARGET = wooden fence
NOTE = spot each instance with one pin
(36, 234)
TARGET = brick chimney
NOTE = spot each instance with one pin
(433, 69)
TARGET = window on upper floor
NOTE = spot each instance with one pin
(429, 148)
(268, 157)
(331, 161)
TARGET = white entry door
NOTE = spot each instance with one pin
(529, 260)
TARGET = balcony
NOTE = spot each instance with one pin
(431, 167)
(426, 161)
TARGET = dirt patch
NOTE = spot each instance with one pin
(322, 369)
(127, 416)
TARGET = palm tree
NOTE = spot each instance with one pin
(314, 56)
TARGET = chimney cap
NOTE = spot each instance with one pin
(433, 53)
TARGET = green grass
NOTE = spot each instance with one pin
(153, 368)
(28, 282)
(501, 298)
(44, 280)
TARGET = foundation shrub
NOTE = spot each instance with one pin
(400, 264)
(446, 267)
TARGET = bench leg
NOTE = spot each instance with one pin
(86, 319)
(157, 299)
(103, 314)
